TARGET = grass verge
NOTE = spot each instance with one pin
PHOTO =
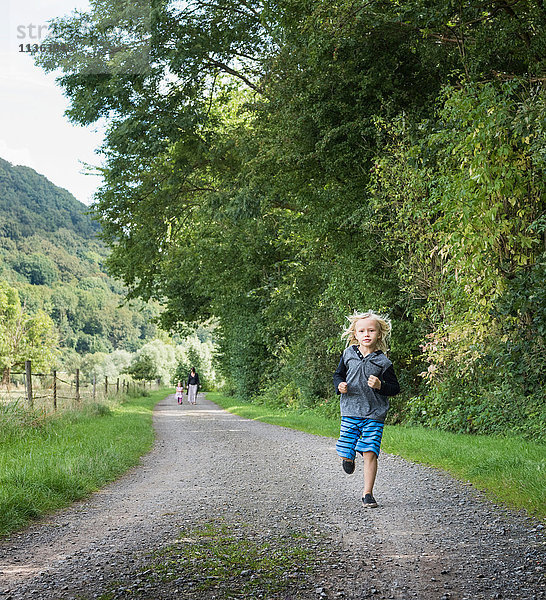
(48, 462)
(217, 560)
(511, 470)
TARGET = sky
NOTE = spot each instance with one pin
(33, 129)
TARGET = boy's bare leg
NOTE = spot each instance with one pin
(370, 471)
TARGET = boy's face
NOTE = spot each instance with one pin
(367, 333)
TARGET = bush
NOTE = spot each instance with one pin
(500, 409)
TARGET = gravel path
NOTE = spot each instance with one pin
(431, 537)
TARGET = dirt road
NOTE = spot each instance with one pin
(431, 537)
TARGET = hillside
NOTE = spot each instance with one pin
(30, 204)
(50, 252)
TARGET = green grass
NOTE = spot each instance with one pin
(48, 462)
(511, 470)
(226, 561)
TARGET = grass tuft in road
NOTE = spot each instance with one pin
(47, 462)
(511, 470)
(216, 560)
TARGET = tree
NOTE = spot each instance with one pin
(155, 360)
(111, 365)
(37, 268)
(22, 336)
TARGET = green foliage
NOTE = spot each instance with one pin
(37, 268)
(168, 361)
(23, 336)
(155, 360)
(278, 166)
(56, 264)
(29, 203)
(460, 199)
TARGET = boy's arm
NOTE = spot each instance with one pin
(389, 383)
(340, 375)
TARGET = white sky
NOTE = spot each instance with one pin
(33, 129)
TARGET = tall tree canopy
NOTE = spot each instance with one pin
(279, 164)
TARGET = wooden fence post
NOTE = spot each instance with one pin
(54, 390)
(117, 386)
(94, 387)
(106, 386)
(28, 371)
(77, 385)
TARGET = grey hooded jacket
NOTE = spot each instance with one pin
(361, 400)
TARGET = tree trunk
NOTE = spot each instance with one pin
(6, 378)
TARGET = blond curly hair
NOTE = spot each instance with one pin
(383, 323)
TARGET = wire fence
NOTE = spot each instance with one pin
(59, 389)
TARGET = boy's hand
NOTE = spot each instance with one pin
(374, 382)
(342, 387)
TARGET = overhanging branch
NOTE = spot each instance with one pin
(223, 67)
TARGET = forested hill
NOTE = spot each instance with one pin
(31, 204)
(51, 254)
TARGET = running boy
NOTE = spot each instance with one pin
(365, 378)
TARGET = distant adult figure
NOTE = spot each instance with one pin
(193, 386)
(179, 392)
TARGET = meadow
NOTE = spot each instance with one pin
(48, 461)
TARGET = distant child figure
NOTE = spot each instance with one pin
(179, 392)
(193, 386)
(365, 378)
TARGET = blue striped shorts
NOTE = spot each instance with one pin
(359, 435)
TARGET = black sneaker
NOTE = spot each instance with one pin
(369, 501)
(348, 466)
